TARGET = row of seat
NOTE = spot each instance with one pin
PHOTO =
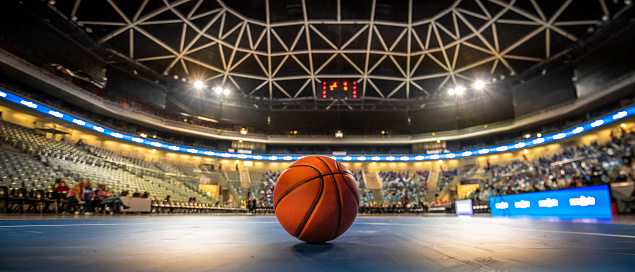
(19, 200)
(13, 200)
(57, 159)
(181, 207)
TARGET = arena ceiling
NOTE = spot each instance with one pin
(395, 50)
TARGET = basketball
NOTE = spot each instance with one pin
(316, 199)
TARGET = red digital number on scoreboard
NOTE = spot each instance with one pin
(339, 89)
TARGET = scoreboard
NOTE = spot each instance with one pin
(339, 89)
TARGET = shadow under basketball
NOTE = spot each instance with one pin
(307, 249)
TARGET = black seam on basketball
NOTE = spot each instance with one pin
(352, 192)
(298, 185)
(308, 215)
(339, 206)
(325, 164)
(337, 190)
(306, 219)
(295, 186)
(346, 182)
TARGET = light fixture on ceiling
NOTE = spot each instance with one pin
(479, 85)
(198, 84)
(459, 90)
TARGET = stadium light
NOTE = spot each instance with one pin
(460, 90)
(226, 91)
(218, 90)
(198, 84)
(479, 85)
(451, 92)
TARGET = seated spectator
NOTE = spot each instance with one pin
(88, 198)
(75, 196)
(55, 184)
(60, 189)
(107, 198)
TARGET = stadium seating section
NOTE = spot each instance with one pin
(30, 163)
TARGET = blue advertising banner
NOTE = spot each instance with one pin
(585, 202)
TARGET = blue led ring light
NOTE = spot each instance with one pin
(412, 158)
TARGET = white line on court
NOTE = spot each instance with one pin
(519, 229)
(581, 233)
(69, 225)
(127, 224)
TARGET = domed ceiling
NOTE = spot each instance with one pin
(293, 50)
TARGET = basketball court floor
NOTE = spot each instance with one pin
(245, 243)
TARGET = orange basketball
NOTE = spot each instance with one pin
(316, 199)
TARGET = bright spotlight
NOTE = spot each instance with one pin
(479, 85)
(451, 92)
(218, 90)
(198, 84)
(226, 92)
(459, 90)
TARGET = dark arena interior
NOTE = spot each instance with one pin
(481, 135)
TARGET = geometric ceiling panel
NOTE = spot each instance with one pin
(397, 50)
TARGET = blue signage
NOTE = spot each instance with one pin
(585, 202)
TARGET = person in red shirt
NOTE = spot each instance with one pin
(61, 187)
(59, 191)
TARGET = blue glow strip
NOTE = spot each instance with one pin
(454, 155)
